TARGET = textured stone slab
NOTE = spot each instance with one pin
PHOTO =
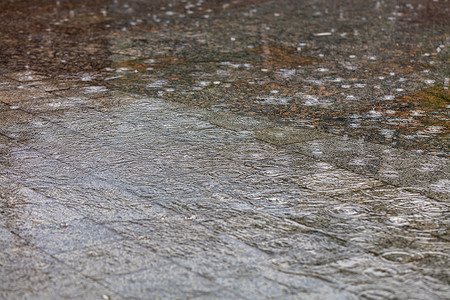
(160, 282)
(9, 239)
(281, 135)
(71, 235)
(26, 76)
(112, 259)
(29, 273)
(336, 182)
(235, 122)
(93, 91)
(423, 173)
(23, 209)
(16, 96)
(104, 202)
(264, 130)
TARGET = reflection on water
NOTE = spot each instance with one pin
(243, 215)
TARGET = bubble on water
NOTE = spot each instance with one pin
(389, 174)
(122, 70)
(270, 99)
(287, 73)
(86, 78)
(94, 89)
(157, 83)
(442, 186)
(222, 73)
(434, 129)
(358, 162)
(387, 133)
(374, 114)
(417, 113)
(324, 166)
(229, 64)
(400, 256)
(350, 67)
(55, 104)
(311, 100)
(427, 168)
(322, 34)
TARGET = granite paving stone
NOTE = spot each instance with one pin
(70, 235)
(224, 149)
(160, 282)
(425, 173)
(112, 259)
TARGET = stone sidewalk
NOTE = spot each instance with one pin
(112, 195)
(224, 149)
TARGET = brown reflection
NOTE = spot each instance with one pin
(281, 56)
(429, 12)
(55, 37)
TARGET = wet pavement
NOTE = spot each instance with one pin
(224, 149)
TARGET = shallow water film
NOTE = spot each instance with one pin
(224, 149)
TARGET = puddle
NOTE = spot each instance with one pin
(224, 149)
